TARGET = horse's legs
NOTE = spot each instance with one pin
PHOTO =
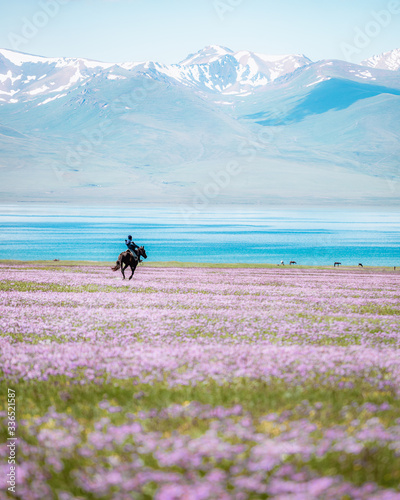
(133, 267)
(123, 269)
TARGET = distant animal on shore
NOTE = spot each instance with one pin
(292, 262)
(282, 263)
(127, 259)
(337, 264)
(360, 265)
(56, 260)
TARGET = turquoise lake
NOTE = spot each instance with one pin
(309, 237)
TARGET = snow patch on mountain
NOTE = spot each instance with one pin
(206, 56)
(220, 68)
(388, 60)
(50, 99)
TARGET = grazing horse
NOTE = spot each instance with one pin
(127, 259)
(337, 264)
(292, 262)
(360, 265)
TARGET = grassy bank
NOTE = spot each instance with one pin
(178, 264)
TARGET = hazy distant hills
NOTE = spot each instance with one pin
(298, 131)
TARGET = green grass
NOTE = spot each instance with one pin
(49, 264)
(377, 309)
(33, 286)
(255, 396)
(376, 462)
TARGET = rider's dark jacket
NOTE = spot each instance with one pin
(131, 246)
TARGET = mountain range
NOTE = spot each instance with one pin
(296, 131)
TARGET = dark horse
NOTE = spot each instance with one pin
(127, 259)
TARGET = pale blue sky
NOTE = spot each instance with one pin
(168, 30)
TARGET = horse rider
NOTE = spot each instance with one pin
(132, 247)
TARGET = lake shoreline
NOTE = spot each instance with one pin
(180, 264)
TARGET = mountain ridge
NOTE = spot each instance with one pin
(222, 70)
(213, 69)
(76, 129)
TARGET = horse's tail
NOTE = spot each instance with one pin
(117, 265)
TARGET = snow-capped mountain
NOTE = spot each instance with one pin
(388, 60)
(213, 69)
(206, 56)
(241, 72)
(24, 77)
(76, 129)
(236, 72)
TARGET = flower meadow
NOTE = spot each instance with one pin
(201, 383)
